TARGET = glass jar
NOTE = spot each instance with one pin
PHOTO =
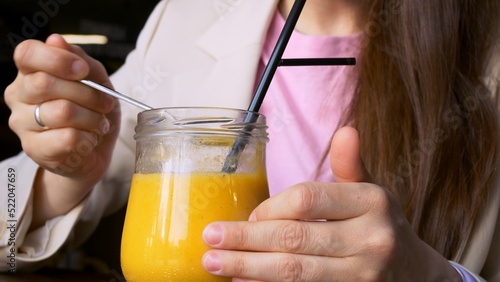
(193, 166)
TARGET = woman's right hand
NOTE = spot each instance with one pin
(82, 124)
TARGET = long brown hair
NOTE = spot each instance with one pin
(426, 119)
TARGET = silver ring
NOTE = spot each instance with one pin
(38, 119)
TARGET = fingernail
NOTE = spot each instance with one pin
(213, 235)
(94, 138)
(212, 262)
(252, 217)
(111, 100)
(77, 67)
(105, 125)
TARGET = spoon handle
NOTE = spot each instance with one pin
(115, 94)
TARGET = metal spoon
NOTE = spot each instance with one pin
(115, 94)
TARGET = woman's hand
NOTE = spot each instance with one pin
(75, 147)
(345, 231)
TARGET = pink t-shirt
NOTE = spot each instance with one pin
(304, 105)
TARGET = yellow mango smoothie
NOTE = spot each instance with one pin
(166, 214)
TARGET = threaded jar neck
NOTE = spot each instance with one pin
(200, 120)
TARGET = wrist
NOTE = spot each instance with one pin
(433, 266)
(55, 195)
(465, 274)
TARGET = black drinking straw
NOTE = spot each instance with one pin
(276, 56)
(231, 162)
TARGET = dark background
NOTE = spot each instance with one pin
(120, 20)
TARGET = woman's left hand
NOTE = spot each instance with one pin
(349, 230)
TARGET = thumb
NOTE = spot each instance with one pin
(58, 41)
(94, 69)
(79, 67)
(345, 158)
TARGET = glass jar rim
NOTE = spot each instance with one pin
(200, 120)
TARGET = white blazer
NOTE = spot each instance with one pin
(206, 56)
